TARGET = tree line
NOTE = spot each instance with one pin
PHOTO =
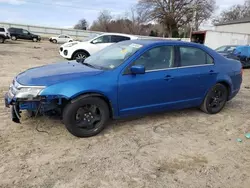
(165, 18)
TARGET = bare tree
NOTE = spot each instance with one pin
(234, 13)
(169, 13)
(82, 24)
(203, 10)
(102, 22)
(173, 14)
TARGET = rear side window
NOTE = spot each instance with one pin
(190, 56)
(2, 29)
(116, 38)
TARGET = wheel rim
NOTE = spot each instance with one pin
(81, 56)
(217, 98)
(88, 117)
(13, 38)
(34, 39)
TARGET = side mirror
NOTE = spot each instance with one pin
(94, 42)
(137, 69)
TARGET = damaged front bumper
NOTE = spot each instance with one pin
(38, 105)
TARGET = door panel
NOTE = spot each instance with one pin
(149, 92)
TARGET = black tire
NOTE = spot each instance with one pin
(79, 115)
(2, 40)
(215, 99)
(70, 41)
(80, 55)
(54, 41)
(13, 38)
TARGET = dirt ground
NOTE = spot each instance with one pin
(185, 148)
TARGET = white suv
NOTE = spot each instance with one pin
(79, 50)
(4, 34)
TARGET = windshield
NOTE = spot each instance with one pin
(92, 36)
(114, 55)
(226, 49)
(221, 49)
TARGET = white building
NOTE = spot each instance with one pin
(237, 26)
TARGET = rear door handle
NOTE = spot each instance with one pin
(211, 72)
(168, 77)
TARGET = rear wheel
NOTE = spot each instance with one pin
(54, 41)
(13, 38)
(2, 39)
(215, 99)
(34, 39)
(80, 55)
(86, 117)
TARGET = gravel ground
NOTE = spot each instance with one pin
(185, 148)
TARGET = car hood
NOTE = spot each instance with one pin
(68, 43)
(55, 73)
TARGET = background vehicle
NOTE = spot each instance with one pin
(18, 33)
(61, 39)
(242, 54)
(129, 78)
(215, 39)
(225, 50)
(79, 50)
(4, 34)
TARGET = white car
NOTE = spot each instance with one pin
(61, 39)
(4, 34)
(79, 50)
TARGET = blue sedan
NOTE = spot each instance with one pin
(129, 78)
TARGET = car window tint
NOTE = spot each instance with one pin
(221, 49)
(25, 32)
(230, 49)
(116, 38)
(102, 39)
(190, 56)
(2, 30)
(161, 57)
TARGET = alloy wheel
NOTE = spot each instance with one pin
(88, 117)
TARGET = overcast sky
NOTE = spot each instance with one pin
(65, 13)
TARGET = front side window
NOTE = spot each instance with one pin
(161, 57)
(25, 32)
(102, 39)
(191, 56)
(62, 36)
(114, 55)
(2, 30)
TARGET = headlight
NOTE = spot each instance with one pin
(28, 92)
(71, 44)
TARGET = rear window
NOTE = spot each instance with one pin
(2, 29)
(116, 38)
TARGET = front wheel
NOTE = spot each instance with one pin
(215, 99)
(86, 117)
(34, 39)
(80, 55)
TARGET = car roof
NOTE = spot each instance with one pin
(146, 42)
(120, 34)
